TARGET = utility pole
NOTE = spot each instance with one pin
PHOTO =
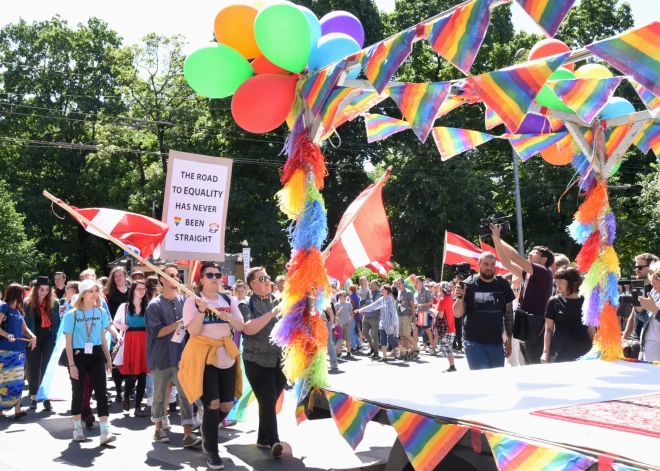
(516, 189)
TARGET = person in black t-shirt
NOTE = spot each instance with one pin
(484, 305)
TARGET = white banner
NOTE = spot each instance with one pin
(196, 199)
(246, 262)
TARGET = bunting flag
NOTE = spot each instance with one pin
(623, 467)
(527, 145)
(651, 101)
(330, 108)
(492, 119)
(425, 441)
(418, 102)
(381, 61)
(635, 53)
(316, 87)
(359, 101)
(300, 413)
(453, 141)
(449, 104)
(614, 137)
(511, 454)
(379, 127)
(585, 96)
(457, 37)
(649, 138)
(351, 416)
(548, 14)
(510, 92)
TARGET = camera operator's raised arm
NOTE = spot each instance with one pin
(508, 256)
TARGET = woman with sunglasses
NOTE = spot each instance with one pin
(132, 360)
(262, 358)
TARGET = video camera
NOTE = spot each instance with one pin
(504, 221)
(637, 289)
(462, 269)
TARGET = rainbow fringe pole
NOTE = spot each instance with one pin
(302, 331)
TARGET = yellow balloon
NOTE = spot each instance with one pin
(593, 71)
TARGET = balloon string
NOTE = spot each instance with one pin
(571, 183)
(334, 130)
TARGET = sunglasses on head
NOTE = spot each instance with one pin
(263, 279)
(640, 267)
(211, 275)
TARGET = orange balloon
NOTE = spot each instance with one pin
(261, 65)
(234, 26)
(550, 47)
(556, 156)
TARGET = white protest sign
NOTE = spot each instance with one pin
(195, 207)
(246, 262)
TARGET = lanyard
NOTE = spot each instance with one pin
(91, 328)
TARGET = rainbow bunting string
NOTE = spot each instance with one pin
(330, 108)
(651, 101)
(585, 96)
(492, 120)
(510, 92)
(425, 441)
(453, 141)
(458, 36)
(316, 87)
(381, 61)
(449, 104)
(614, 137)
(511, 454)
(548, 14)
(360, 101)
(528, 145)
(649, 138)
(379, 127)
(635, 53)
(351, 416)
(418, 101)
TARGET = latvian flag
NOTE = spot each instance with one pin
(459, 250)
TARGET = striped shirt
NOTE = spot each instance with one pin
(388, 315)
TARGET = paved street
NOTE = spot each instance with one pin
(42, 440)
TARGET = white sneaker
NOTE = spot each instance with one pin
(166, 423)
(78, 435)
(150, 401)
(199, 417)
(107, 438)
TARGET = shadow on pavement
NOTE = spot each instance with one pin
(261, 459)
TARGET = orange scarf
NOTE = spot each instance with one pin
(45, 318)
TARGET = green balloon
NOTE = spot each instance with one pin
(216, 71)
(547, 97)
(284, 36)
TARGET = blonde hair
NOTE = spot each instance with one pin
(78, 303)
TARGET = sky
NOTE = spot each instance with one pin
(194, 18)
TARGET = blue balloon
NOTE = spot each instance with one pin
(314, 24)
(615, 107)
(331, 48)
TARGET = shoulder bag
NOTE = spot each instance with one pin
(526, 326)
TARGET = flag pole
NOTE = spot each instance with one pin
(380, 182)
(121, 245)
(444, 255)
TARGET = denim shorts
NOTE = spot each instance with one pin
(389, 341)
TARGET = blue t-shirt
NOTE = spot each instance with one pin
(97, 321)
(14, 326)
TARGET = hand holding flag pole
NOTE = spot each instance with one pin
(123, 246)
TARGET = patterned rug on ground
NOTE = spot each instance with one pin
(635, 414)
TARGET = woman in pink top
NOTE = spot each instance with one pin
(219, 379)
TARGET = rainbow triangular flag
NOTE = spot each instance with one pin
(358, 101)
(585, 96)
(651, 101)
(614, 137)
(419, 103)
(425, 441)
(649, 138)
(450, 103)
(527, 145)
(316, 87)
(548, 14)
(300, 413)
(382, 60)
(458, 36)
(492, 120)
(453, 141)
(351, 416)
(330, 108)
(379, 126)
(635, 53)
(511, 454)
(510, 92)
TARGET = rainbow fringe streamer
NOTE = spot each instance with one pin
(312, 228)
(548, 14)
(351, 416)
(453, 141)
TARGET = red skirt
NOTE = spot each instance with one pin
(135, 353)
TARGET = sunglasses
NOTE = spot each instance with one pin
(640, 267)
(211, 275)
(263, 279)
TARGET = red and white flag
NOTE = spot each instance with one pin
(363, 235)
(487, 248)
(460, 250)
(381, 268)
(141, 233)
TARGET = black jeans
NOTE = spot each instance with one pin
(458, 340)
(219, 384)
(141, 385)
(532, 352)
(267, 384)
(93, 365)
(39, 357)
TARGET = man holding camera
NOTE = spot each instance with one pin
(485, 300)
(535, 291)
(639, 315)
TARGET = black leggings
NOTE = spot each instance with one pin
(267, 384)
(532, 352)
(38, 358)
(93, 365)
(219, 384)
(117, 378)
(141, 385)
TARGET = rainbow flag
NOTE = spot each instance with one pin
(419, 103)
(510, 92)
(300, 413)
(492, 120)
(585, 96)
(316, 87)
(351, 416)
(548, 14)
(358, 101)
(635, 53)
(379, 126)
(450, 103)
(649, 138)
(651, 101)
(330, 108)
(614, 137)
(426, 442)
(453, 141)
(528, 145)
(458, 36)
(511, 454)
(382, 60)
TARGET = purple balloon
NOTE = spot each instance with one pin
(535, 124)
(343, 22)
